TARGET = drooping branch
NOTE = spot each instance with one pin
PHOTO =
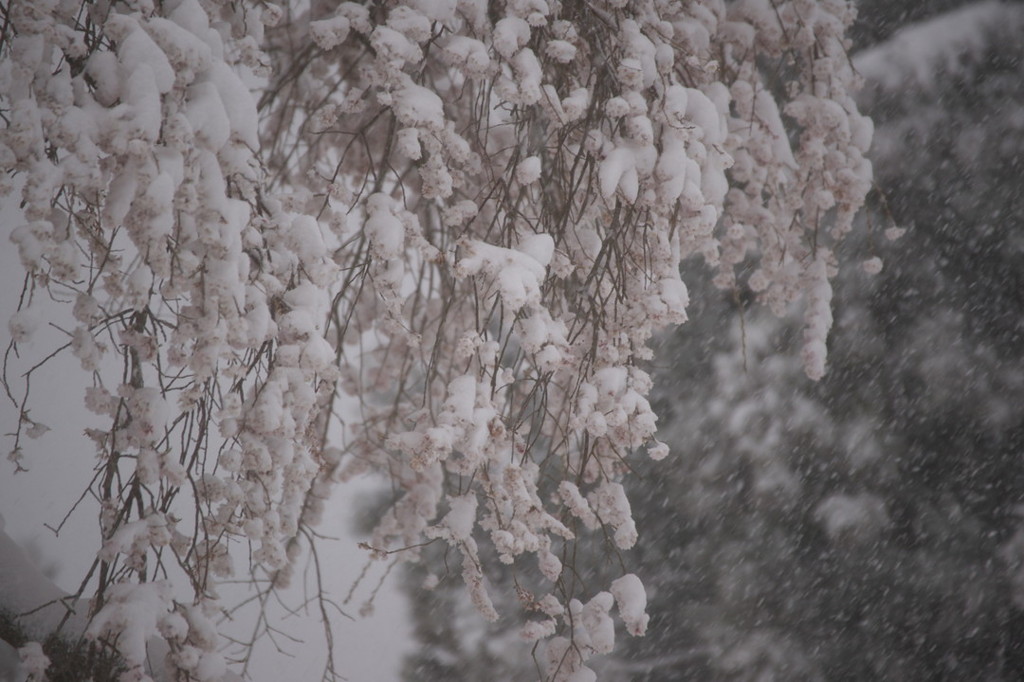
(431, 240)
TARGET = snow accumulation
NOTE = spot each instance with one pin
(518, 273)
(631, 600)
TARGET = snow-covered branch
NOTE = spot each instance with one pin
(426, 239)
